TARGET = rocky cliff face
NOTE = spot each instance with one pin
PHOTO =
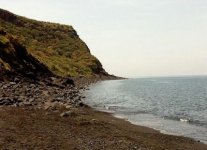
(15, 59)
(45, 47)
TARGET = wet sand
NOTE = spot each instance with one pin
(83, 128)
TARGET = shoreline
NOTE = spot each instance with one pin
(70, 124)
(85, 128)
(161, 131)
(189, 131)
(146, 127)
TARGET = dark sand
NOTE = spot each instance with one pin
(85, 129)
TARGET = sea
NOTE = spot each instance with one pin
(172, 105)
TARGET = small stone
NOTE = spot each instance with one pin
(46, 93)
(27, 103)
(68, 106)
(80, 104)
(93, 120)
(16, 105)
(67, 114)
(47, 106)
(12, 83)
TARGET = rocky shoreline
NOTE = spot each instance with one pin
(50, 114)
(39, 94)
(46, 93)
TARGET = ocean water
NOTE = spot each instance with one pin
(173, 105)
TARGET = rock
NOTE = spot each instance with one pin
(46, 93)
(12, 83)
(16, 105)
(5, 101)
(47, 105)
(68, 106)
(94, 120)
(16, 80)
(80, 104)
(30, 75)
(69, 81)
(52, 79)
(25, 92)
(67, 114)
(27, 103)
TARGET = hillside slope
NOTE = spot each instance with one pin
(14, 58)
(57, 46)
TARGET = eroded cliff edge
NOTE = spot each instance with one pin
(28, 45)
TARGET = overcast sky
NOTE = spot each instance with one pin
(132, 38)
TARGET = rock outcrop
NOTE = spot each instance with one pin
(15, 59)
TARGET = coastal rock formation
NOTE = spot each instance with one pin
(50, 46)
(15, 59)
(39, 94)
(37, 60)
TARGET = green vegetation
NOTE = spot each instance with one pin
(57, 46)
(4, 65)
(3, 41)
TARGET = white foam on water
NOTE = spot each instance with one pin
(170, 127)
(184, 120)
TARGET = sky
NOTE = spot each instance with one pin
(132, 38)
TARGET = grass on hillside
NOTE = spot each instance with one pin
(57, 46)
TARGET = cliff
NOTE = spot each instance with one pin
(30, 45)
(15, 59)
